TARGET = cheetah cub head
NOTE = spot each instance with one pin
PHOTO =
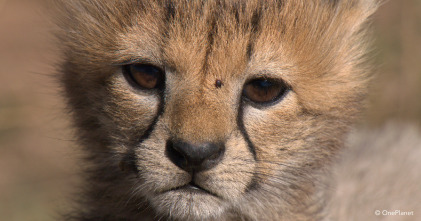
(196, 110)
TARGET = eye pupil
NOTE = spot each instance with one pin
(262, 83)
(145, 76)
(264, 90)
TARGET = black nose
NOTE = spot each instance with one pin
(194, 158)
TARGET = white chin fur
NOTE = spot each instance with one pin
(182, 205)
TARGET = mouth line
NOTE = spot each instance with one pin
(192, 188)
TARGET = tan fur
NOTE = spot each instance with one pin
(379, 171)
(317, 47)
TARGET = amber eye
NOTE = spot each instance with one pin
(145, 76)
(264, 90)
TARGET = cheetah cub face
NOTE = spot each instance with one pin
(195, 110)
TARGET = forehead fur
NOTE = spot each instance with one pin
(317, 45)
(95, 24)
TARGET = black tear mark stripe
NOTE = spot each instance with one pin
(253, 184)
(240, 123)
(130, 157)
(151, 127)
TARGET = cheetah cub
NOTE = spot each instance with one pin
(212, 109)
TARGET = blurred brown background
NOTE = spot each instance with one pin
(37, 166)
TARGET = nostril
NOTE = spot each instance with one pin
(175, 156)
(191, 157)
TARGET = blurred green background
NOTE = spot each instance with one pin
(38, 169)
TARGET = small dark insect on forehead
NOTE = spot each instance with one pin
(218, 83)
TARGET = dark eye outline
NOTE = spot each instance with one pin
(127, 72)
(284, 89)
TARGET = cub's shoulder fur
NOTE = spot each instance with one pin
(212, 110)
